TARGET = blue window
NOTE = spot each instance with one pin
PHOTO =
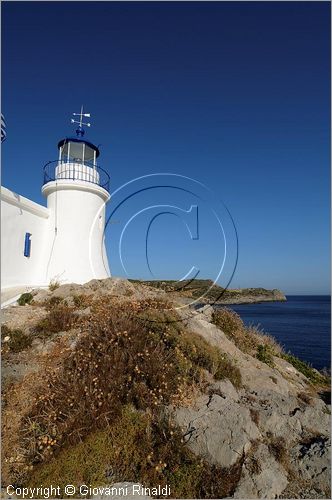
(27, 245)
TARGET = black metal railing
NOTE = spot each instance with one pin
(76, 170)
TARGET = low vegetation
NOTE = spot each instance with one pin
(277, 447)
(313, 375)
(14, 340)
(25, 298)
(60, 318)
(265, 354)
(248, 339)
(53, 285)
(103, 412)
(82, 301)
(252, 341)
(141, 447)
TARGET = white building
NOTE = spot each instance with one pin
(63, 241)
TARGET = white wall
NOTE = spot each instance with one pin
(67, 237)
(19, 216)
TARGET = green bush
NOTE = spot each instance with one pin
(265, 354)
(25, 298)
(313, 375)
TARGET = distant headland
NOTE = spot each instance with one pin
(206, 292)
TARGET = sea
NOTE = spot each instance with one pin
(302, 325)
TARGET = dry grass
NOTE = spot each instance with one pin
(53, 285)
(82, 301)
(254, 415)
(249, 340)
(60, 318)
(277, 447)
(131, 360)
(305, 397)
(14, 340)
(140, 447)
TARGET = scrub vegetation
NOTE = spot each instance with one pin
(25, 298)
(103, 411)
(251, 340)
(14, 340)
(111, 372)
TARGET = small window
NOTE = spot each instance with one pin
(27, 245)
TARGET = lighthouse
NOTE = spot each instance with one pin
(63, 242)
(77, 190)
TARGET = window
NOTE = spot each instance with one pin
(27, 245)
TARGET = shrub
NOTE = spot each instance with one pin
(52, 302)
(14, 340)
(60, 318)
(121, 359)
(265, 354)
(82, 301)
(247, 339)
(313, 375)
(196, 349)
(53, 285)
(141, 448)
(25, 298)
(228, 321)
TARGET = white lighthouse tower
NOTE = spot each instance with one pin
(77, 191)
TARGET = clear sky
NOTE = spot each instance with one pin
(235, 95)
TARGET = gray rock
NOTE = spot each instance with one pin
(207, 310)
(217, 428)
(223, 388)
(287, 416)
(262, 476)
(312, 462)
(40, 294)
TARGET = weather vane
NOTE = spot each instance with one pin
(80, 129)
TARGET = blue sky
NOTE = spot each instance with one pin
(235, 95)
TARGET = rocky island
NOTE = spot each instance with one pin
(116, 383)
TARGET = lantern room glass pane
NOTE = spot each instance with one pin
(89, 154)
(64, 152)
(76, 151)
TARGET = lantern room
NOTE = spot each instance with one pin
(77, 159)
(76, 150)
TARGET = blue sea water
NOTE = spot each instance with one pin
(302, 325)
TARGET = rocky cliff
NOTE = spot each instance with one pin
(112, 381)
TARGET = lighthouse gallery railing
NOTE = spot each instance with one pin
(76, 170)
